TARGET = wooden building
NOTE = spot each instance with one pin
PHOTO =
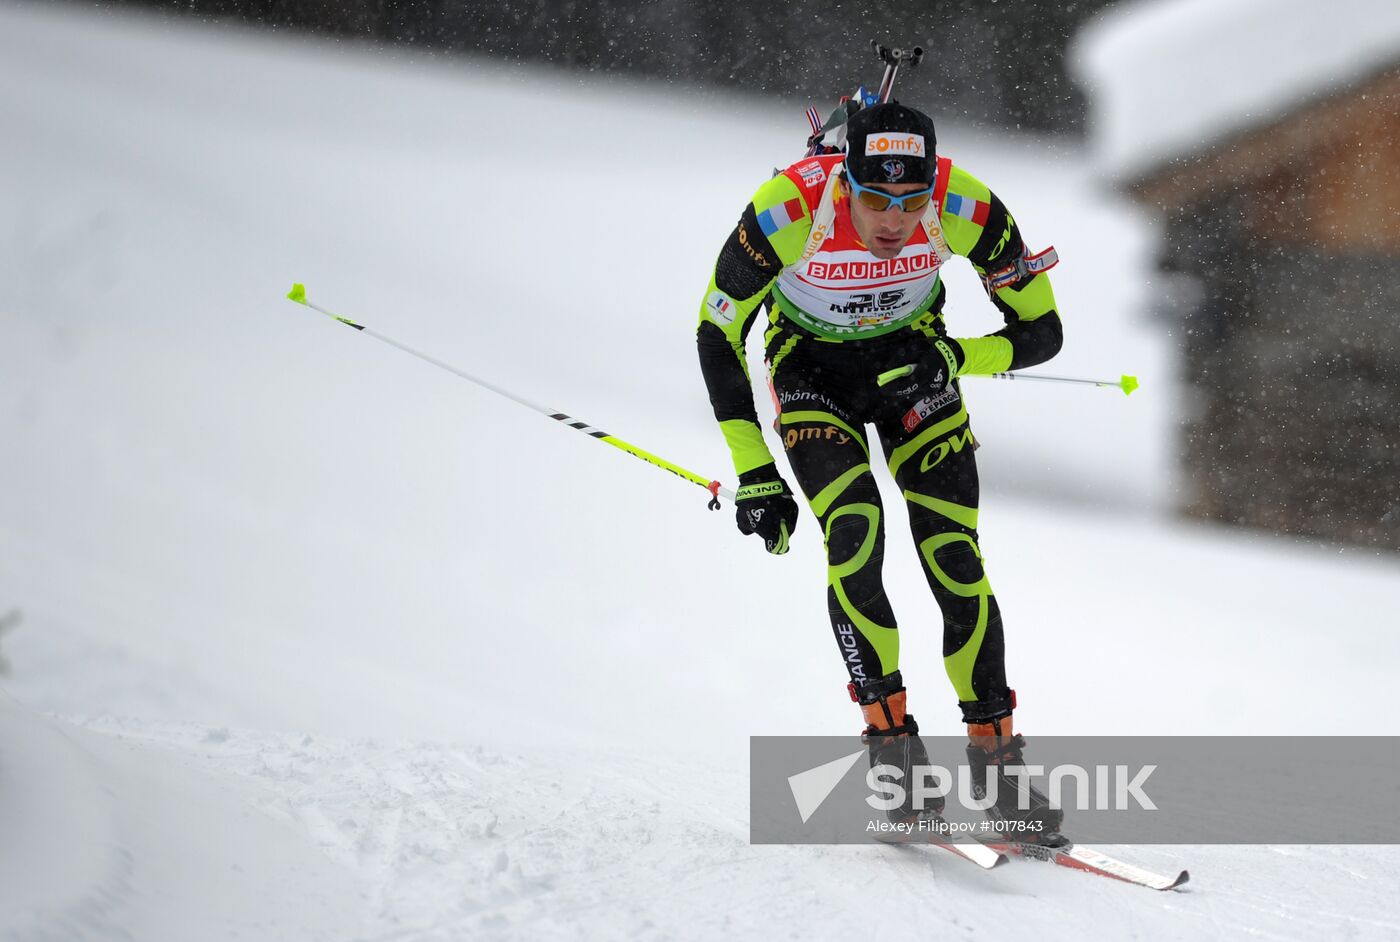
(1281, 262)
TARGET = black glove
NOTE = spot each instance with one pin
(953, 356)
(764, 505)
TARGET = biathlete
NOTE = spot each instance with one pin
(847, 249)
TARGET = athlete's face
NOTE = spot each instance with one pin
(884, 233)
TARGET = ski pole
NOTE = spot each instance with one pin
(1126, 383)
(298, 294)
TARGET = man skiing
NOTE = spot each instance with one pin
(847, 248)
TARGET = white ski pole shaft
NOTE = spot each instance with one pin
(1126, 383)
(298, 294)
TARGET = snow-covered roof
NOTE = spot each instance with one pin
(1166, 78)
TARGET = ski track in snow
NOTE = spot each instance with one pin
(450, 841)
(522, 695)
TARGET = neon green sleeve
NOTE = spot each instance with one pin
(1032, 333)
(748, 263)
(750, 260)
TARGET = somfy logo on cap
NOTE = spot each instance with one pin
(893, 142)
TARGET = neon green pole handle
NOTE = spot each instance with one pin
(298, 294)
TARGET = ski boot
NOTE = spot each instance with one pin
(1020, 813)
(892, 737)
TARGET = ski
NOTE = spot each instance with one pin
(984, 856)
(974, 851)
(1078, 857)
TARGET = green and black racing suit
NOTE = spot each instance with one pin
(850, 345)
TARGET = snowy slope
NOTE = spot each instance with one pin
(1168, 78)
(297, 600)
(104, 840)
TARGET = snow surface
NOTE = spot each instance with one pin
(1170, 78)
(320, 643)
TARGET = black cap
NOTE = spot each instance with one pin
(889, 143)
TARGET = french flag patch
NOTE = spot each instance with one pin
(970, 209)
(771, 220)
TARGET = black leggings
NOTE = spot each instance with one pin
(827, 393)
